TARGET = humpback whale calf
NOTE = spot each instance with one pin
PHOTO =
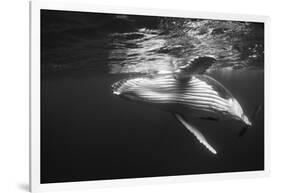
(186, 94)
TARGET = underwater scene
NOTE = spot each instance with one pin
(131, 96)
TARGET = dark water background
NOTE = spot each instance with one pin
(87, 133)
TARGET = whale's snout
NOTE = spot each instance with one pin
(115, 92)
(116, 87)
(123, 88)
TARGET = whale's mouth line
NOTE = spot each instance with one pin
(116, 92)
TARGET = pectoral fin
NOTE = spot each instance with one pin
(196, 133)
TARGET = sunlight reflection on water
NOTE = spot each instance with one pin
(159, 51)
(143, 57)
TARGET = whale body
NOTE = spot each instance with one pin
(194, 96)
(191, 95)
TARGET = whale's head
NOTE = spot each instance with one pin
(194, 96)
(129, 89)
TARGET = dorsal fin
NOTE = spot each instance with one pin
(198, 65)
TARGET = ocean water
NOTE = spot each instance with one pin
(87, 133)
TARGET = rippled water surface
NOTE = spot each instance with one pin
(87, 133)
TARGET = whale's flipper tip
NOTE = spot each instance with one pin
(213, 151)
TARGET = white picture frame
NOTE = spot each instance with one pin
(35, 6)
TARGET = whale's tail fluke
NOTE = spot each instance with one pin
(253, 117)
(196, 133)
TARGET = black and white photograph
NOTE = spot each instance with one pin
(127, 96)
